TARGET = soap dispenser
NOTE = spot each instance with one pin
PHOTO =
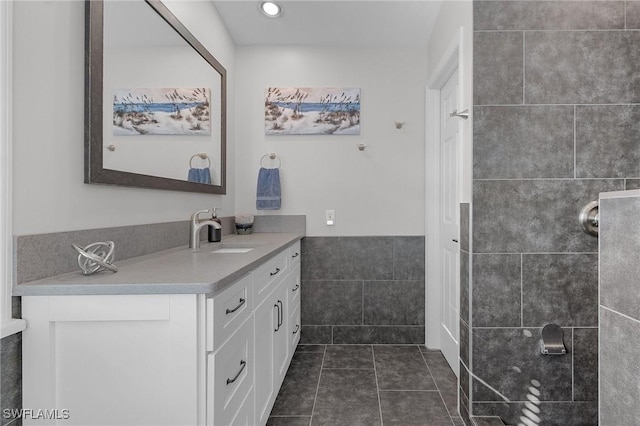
(215, 235)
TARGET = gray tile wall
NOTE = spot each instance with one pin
(633, 14)
(619, 313)
(556, 94)
(363, 290)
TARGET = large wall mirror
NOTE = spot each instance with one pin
(155, 101)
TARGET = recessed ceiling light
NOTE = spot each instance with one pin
(271, 9)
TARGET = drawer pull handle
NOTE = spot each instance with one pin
(243, 364)
(274, 273)
(297, 328)
(278, 325)
(230, 311)
(281, 314)
(295, 255)
(295, 288)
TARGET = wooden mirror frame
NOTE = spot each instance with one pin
(94, 173)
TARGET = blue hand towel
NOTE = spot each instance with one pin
(194, 175)
(199, 175)
(205, 176)
(268, 189)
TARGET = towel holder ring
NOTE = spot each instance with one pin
(202, 155)
(272, 156)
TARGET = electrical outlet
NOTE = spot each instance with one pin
(330, 215)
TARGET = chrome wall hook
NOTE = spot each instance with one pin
(462, 114)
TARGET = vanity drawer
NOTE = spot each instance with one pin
(230, 377)
(269, 273)
(294, 254)
(227, 311)
(293, 287)
(294, 329)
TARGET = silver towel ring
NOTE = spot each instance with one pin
(271, 156)
(202, 155)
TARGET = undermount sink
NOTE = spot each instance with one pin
(228, 250)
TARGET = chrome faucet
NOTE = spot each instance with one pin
(196, 225)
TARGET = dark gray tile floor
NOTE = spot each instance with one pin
(351, 385)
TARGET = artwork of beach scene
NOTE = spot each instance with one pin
(161, 112)
(312, 111)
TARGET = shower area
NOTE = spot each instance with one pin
(556, 122)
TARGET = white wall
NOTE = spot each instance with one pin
(48, 118)
(453, 15)
(376, 192)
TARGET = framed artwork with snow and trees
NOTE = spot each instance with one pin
(312, 111)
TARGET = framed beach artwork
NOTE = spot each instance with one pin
(166, 111)
(312, 111)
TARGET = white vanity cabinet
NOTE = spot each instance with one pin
(164, 359)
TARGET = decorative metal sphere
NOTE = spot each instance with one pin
(96, 257)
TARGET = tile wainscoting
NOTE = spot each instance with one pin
(363, 290)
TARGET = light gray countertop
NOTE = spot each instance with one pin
(174, 271)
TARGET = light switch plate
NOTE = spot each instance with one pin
(330, 215)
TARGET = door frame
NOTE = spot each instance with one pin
(8, 324)
(451, 59)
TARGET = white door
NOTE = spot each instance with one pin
(449, 222)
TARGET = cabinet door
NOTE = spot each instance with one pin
(271, 350)
(281, 337)
(114, 359)
(265, 318)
